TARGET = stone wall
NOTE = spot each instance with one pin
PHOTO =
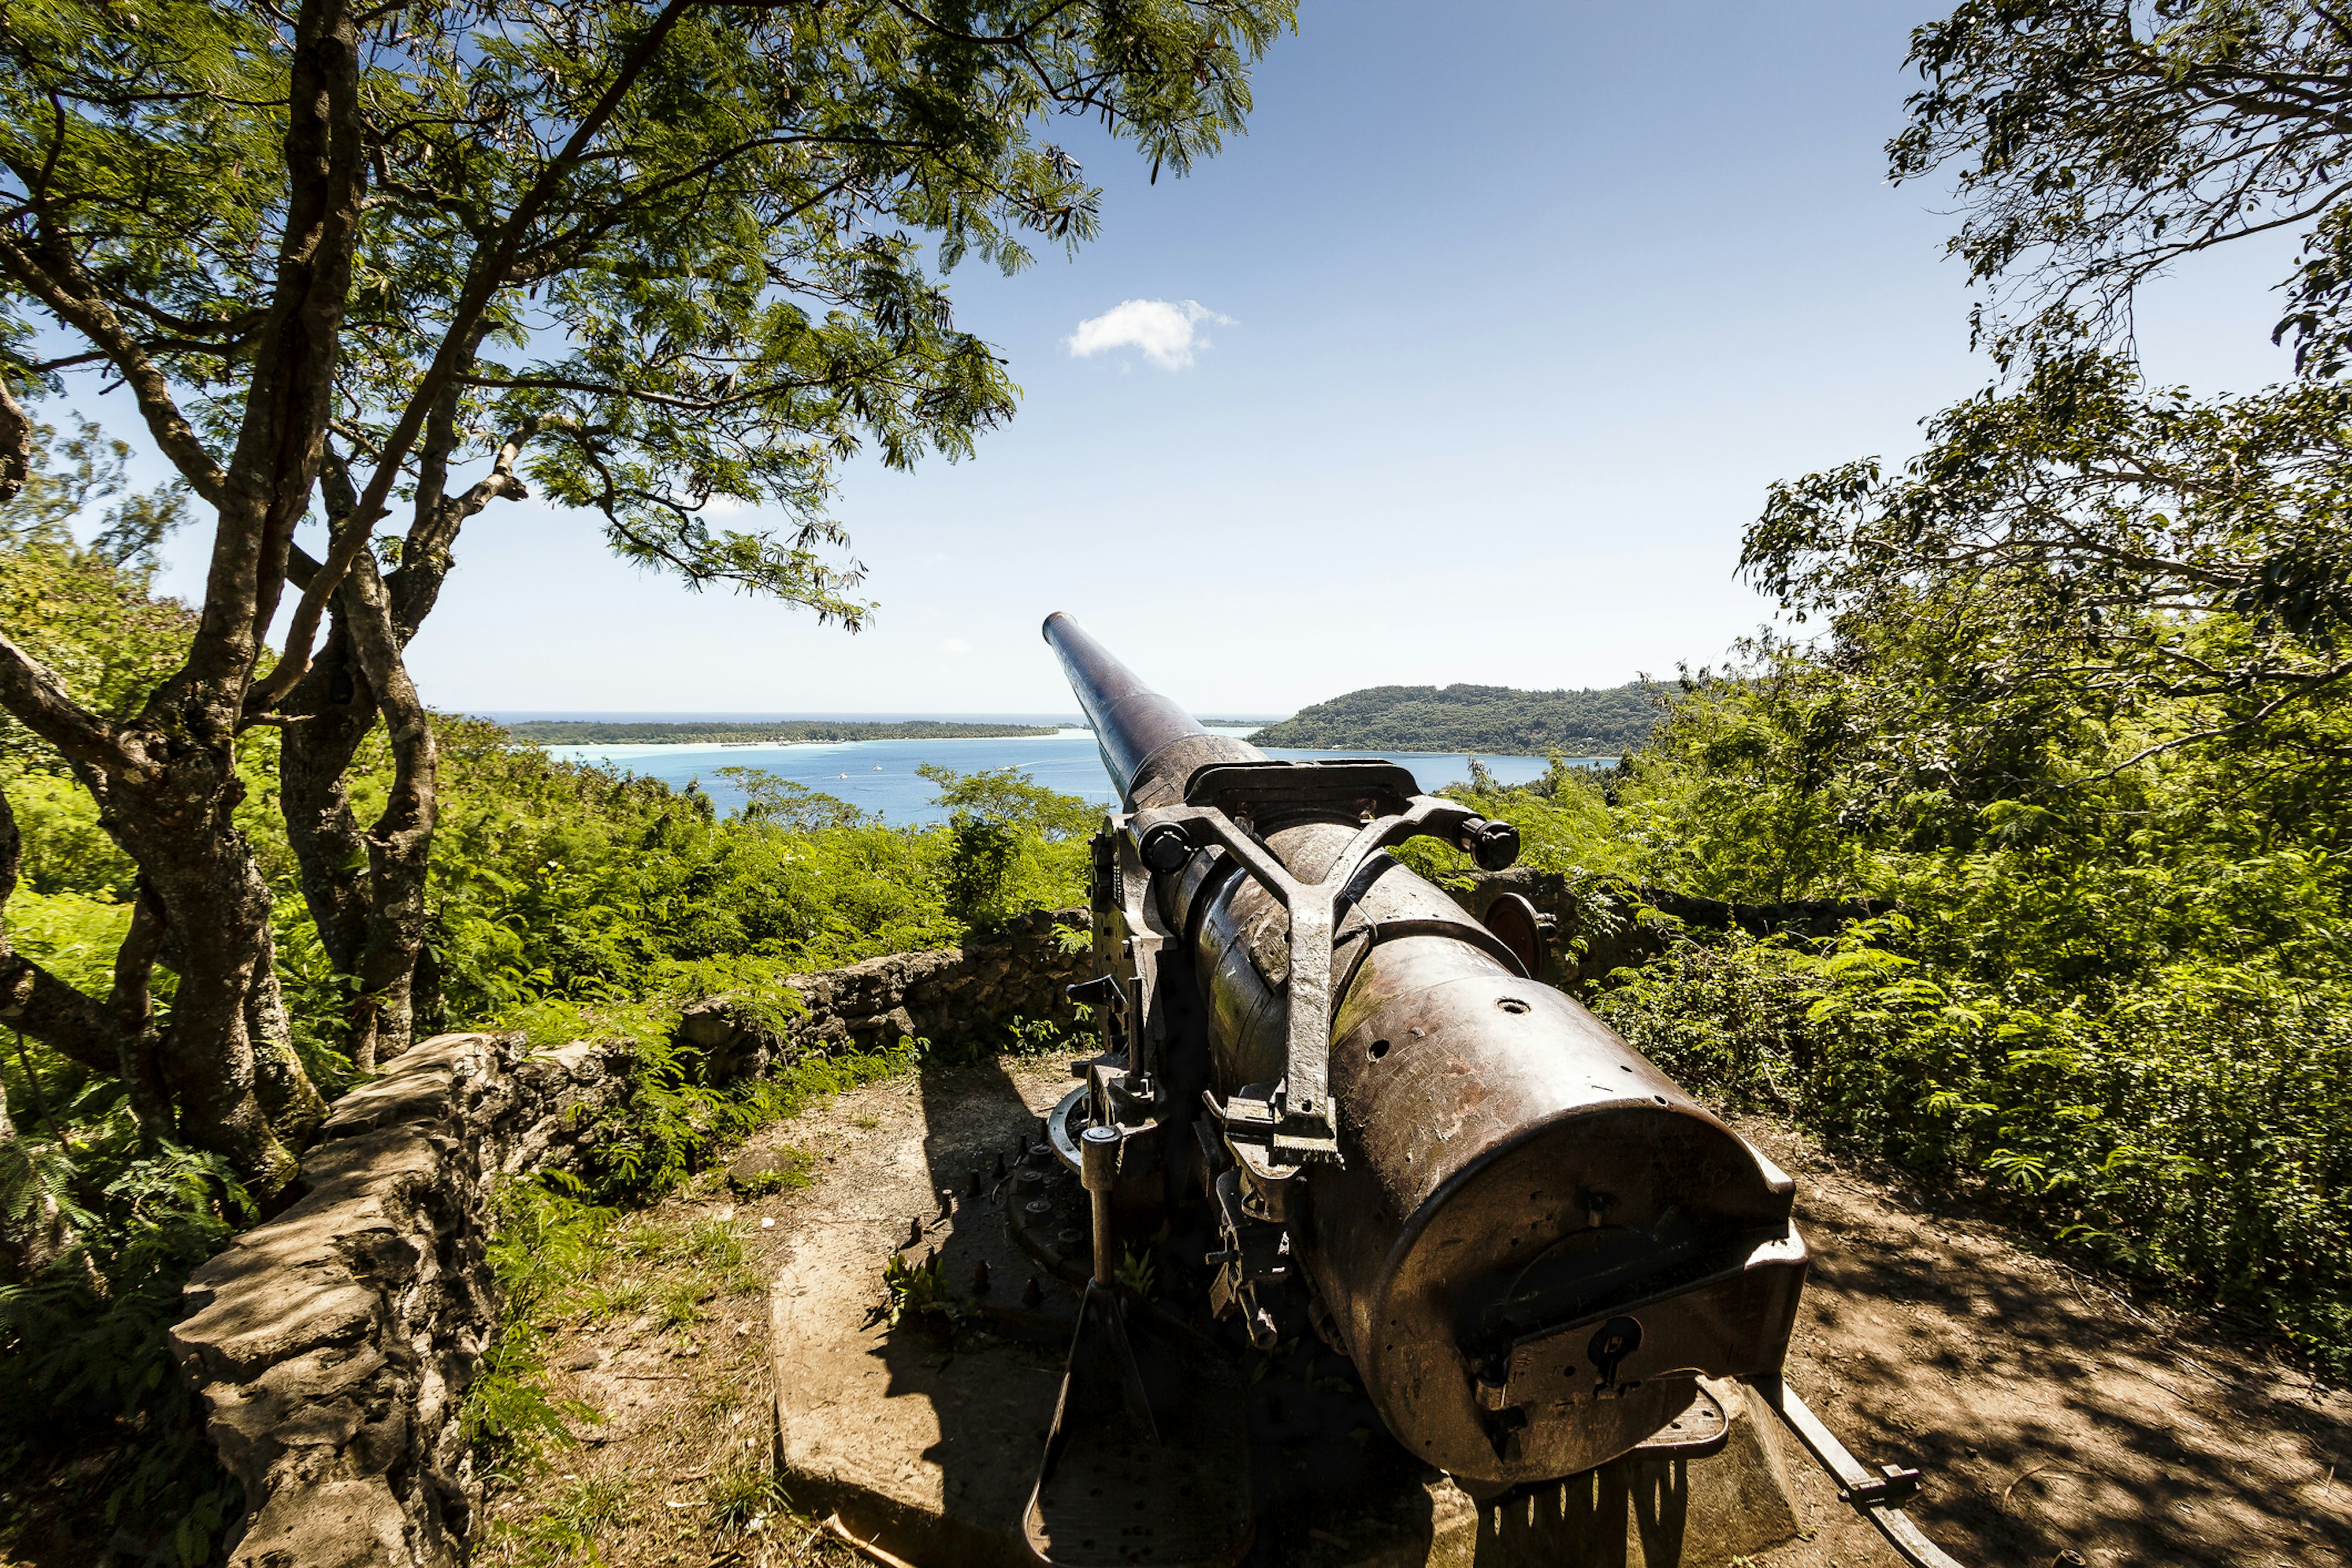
(971, 993)
(333, 1345)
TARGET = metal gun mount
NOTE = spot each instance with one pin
(1530, 1243)
(1294, 1126)
(1269, 1131)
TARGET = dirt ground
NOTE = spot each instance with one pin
(2052, 1415)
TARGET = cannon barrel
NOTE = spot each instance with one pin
(1529, 1240)
(1149, 745)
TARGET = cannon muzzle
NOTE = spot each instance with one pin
(1149, 745)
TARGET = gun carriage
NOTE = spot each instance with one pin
(1531, 1243)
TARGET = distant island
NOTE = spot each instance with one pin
(1491, 719)
(780, 732)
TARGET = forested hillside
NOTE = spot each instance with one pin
(1493, 718)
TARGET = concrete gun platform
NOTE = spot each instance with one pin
(926, 1437)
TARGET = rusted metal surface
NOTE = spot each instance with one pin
(1530, 1242)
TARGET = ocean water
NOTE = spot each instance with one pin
(879, 775)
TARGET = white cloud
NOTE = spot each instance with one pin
(955, 644)
(1162, 329)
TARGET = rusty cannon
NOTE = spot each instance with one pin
(1531, 1244)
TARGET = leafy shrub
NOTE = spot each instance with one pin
(85, 1362)
(2120, 997)
(545, 1240)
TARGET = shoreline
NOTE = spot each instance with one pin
(1068, 733)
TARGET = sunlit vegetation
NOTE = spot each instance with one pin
(1492, 719)
(565, 902)
(2114, 984)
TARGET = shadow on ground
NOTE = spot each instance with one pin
(2050, 1414)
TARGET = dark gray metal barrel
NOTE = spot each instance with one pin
(1149, 745)
(1534, 1241)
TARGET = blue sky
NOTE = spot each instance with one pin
(1525, 306)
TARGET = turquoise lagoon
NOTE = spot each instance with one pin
(879, 775)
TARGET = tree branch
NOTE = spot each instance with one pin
(40, 703)
(15, 444)
(34, 1000)
(487, 275)
(47, 278)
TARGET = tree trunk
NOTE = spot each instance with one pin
(295, 1107)
(366, 889)
(213, 1062)
(330, 710)
(400, 844)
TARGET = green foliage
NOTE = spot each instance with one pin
(674, 1116)
(545, 1241)
(2078, 547)
(85, 1356)
(1136, 1271)
(1013, 845)
(65, 848)
(557, 881)
(772, 798)
(2093, 143)
(1008, 795)
(1564, 821)
(741, 1492)
(792, 1171)
(567, 1530)
(1492, 719)
(70, 933)
(919, 1296)
(2117, 990)
(85, 611)
(979, 869)
(558, 1254)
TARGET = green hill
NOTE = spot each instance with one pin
(1493, 718)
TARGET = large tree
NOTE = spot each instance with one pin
(2074, 534)
(2093, 144)
(666, 260)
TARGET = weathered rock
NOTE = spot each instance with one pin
(707, 1024)
(766, 1170)
(332, 1345)
(955, 997)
